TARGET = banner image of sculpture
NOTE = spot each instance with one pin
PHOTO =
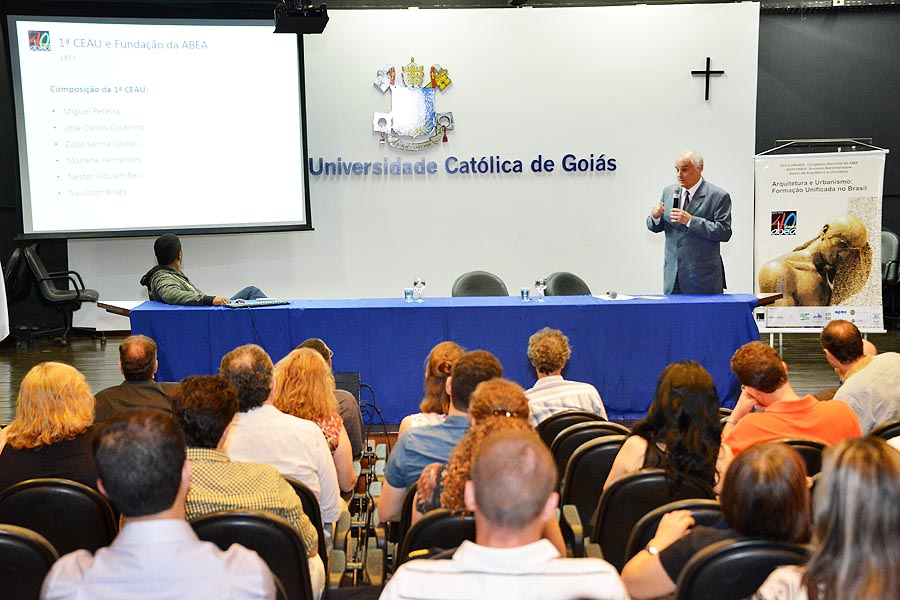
(818, 237)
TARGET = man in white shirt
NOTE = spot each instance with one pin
(263, 434)
(140, 458)
(549, 351)
(512, 500)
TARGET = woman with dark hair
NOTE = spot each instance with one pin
(764, 495)
(857, 529)
(436, 403)
(681, 432)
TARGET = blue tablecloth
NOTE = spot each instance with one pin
(620, 346)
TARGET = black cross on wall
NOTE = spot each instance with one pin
(707, 73)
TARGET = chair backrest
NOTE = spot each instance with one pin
(585, 474)
(550, 427)
(735, 569)
(69, 514)
(478, 283)
(571, 438)
(886, 431)
(890, 258)
(25, 559)
(563, 283)
(270, 536)
(811, 452)
(15, 276)
(631, 497)
(312, 510)
(437, 529)
(45, 284)
(704, 511)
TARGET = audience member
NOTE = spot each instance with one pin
(549, 351)
(166, 283)
(204, 407)
(261, 433)
(764, 383)
(304, 387)
(680, 432)
(870, 383)
(764, 496)
(436, 403)
(51, 434)
(348, 405)
(421, 446)
(856, 530)
(140, 456)
(138, 364)
(511, 494)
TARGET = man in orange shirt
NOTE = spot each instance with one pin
(765, 385)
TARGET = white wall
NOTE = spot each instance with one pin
(613, 80)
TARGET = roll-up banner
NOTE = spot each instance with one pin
(818, 237)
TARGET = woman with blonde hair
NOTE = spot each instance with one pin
(51, 434)
(856, 529)
(304, 387)
(436, 403)
(494, 405)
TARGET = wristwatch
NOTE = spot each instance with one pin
(653, 550)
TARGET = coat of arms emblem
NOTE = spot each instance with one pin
(413, 123)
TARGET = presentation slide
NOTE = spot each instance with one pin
(159, 125)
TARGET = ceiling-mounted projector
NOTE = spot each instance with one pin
(295, 16)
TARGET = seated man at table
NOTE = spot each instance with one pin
(143, 470)
(137, 361)
(549, 351)
(166, 283)
(764, 384)
(261, 433)
(421, 446)
(511, 493)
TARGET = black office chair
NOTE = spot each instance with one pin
(563, 283)
(478, 283)
(25, 560)
(582, 486)
(437, 530)
(890, 271)
(811, 452)
(631, 497)
(731, 570)
(550, 427)
(15, 276)
(66, 300)
(704, 511)
(69, 514)
(571, 438)
(270, 536)
(886, 431)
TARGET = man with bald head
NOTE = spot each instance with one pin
(137, 362)
(871, 384)
(695, 215)
(512, 495)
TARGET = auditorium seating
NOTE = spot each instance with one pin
(437, 530)
(550, 427)
(571, 438)
(25, 559)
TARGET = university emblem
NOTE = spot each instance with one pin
(412, 123)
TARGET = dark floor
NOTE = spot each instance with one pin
(807, 368)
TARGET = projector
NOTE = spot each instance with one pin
(295, 16)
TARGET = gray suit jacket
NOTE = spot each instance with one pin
(692, 253)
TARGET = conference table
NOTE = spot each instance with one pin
(619, 345)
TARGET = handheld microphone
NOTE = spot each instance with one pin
(676, 198)
(611, 295)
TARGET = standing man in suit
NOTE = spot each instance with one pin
(696, 218)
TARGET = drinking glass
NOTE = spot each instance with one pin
(419, 287)
(540, 285)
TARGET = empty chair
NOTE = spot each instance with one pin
(810, 451)
(571, 438)
(704, 511)
(886, 431)
(629, 498)
(731, 570)
(890, 270)
(268, 535)
(70, 515)
(65, 299)
(437, 529)
(563, 283)
(478, 283)
(25, 559)
(550, 427)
